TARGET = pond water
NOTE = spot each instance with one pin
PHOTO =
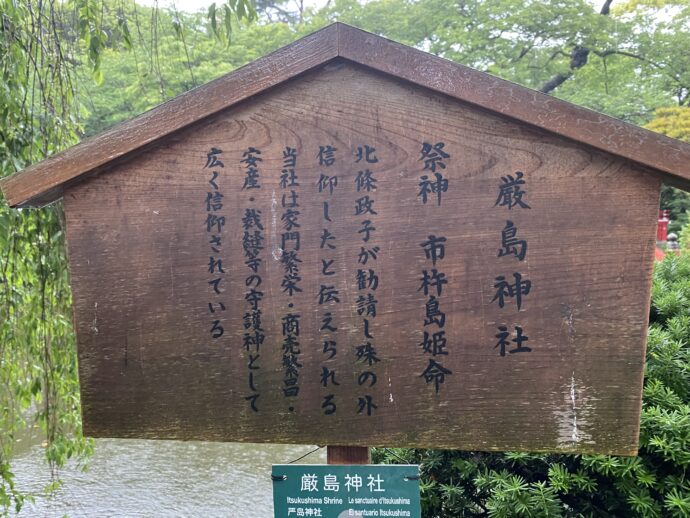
(136, 478)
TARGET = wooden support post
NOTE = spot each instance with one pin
(348, 455)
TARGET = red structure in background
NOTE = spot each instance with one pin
(662, 225)
(665, 243)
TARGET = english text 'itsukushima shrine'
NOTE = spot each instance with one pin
(353, 242)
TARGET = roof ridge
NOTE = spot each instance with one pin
(45, 181)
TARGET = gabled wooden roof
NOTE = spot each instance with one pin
(44, 182)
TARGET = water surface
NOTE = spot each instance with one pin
(137, 478)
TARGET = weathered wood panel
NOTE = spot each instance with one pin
(140, 252)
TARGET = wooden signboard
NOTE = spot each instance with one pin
(353, 258)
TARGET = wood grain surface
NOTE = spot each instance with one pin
(348, 455)
(46, 181)
(139, 254)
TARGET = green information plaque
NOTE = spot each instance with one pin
(331, 491)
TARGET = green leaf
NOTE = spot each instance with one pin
(213, 20)
(227, 19)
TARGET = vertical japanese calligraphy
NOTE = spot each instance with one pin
(432, 280)
(215, 222)
(434, 158)
(252, 244)
(290, 246)
(511, 287)
(366, 277)
(328, 294)
(510, 192)
(434, 341)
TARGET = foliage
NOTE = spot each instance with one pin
(38, 377)
(678, 202)
(674, 121)
(39, 47)
(634, 65)
(654, 484)
(139, 79)
(625, 62)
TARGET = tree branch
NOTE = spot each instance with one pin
(604, 53)
(554, 82)
(606, 8)
(578, 59)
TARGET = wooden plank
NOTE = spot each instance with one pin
(523, 104)
(140, 254)
(348, 455)
(44, 182)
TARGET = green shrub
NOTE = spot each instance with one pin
(654, 484)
